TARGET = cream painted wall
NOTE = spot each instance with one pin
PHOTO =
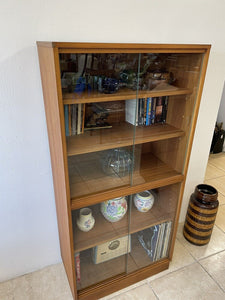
(28, 226)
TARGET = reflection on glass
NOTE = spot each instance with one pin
(101, 241)
(98, 73)
(118, 162)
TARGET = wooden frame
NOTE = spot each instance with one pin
(59, 148)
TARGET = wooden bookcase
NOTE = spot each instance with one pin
(159, 151)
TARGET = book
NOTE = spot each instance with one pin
(158, 109)
(131, 111)
(157, 255)
(148, 238)
(66, 114)
(153, 110)
(148, 112)
(79, 122)
(77, 266)
(155, 240)
(164, 110)
(74, 119)
(69, 112)
(166, 239)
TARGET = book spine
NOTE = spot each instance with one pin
(147, 115)
(70, 119)
(139, 112)
(131, 111)
(83, 116)
(149, 111)
(157, 243)
(145, 111)
(74, 119)
(167, 238)
(164, 110)
(158, 110)
(153, 110)
(66, 113)
(79, 119)
(77, 265)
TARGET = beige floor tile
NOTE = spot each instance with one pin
(49, 283)
(143, 292)
(221, 198)
(220, 218)
(215, 266)
(21, 288)
(218, 183)
(216, 244)
(181, 258)
(127, 289)
(216, 156)
(191, 282)
(6, 290)
(218, 161)
(213, 172)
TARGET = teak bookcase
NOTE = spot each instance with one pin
(135, 105)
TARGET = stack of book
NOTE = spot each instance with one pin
(155, 240)
(146, 111)
(74, 119)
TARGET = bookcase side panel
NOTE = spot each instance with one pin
(52, 108)
(190, 140)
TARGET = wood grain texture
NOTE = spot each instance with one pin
(121, 135)
(60, 174)
(171, 149)
(163, 210)
(123, 94)
(121, 281)
(93, 186)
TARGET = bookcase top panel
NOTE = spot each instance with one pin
(66, 47)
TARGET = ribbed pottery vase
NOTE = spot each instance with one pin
(201, 215)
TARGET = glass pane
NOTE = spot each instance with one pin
(101, 241)
(96, 90)
(167, 90)
(152, 214)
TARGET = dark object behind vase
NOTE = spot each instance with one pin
(218, 139)
(201, 215)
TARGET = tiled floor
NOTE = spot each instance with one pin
(195, 272)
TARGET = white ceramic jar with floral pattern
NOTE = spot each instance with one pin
(144, 201)
(114, 210)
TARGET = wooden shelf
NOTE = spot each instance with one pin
(123, 94)
(89, 185)
(121, 135)
(163, 210)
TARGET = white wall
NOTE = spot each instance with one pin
(28, 226)
(221, 112)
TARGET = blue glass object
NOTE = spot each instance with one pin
(110, 85)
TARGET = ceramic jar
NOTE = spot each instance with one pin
(114, 210)
(85, 222)
(144, 201)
